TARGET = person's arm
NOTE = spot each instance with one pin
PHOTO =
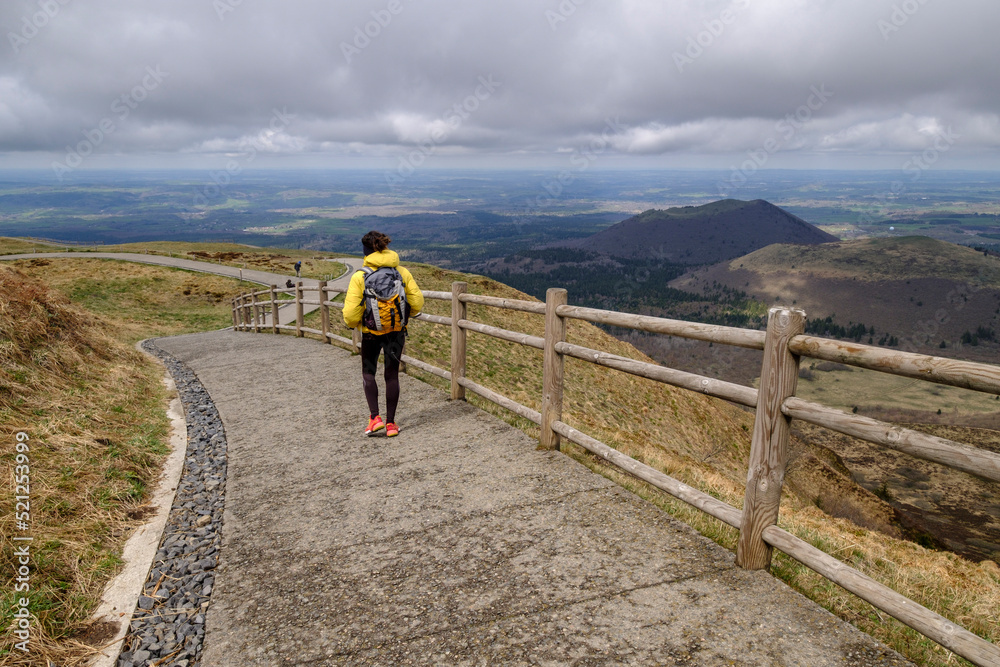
(354, 309)
(414, 297)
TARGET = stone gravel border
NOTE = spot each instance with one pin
(168, 626)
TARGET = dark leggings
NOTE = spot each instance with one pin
(371, 346)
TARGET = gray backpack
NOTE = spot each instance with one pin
(386, 308)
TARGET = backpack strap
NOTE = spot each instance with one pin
(368, 301)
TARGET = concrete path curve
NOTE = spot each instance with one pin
(286, 314)
(457, 542)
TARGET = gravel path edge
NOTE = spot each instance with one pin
(168, 622)
(121, 594)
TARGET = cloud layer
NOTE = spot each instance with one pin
(862, 82)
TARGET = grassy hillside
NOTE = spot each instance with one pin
(937, 505)
(275, 260)
(702, 441)
(143, 300)
(846, 388)
(872, 260)
(93, 408)
(910, 292)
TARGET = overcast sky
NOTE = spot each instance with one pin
(602, 83)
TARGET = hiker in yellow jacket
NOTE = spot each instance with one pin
(373, 342)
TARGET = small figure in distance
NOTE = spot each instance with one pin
(383, 323)
(289, 284)
(298, 267)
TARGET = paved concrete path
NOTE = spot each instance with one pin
(458, 542)
(286, 315)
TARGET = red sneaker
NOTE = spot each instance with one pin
(374, 424)
(391, 430)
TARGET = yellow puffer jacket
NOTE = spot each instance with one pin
(354, 307)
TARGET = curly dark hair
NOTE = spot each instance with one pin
(375, 242)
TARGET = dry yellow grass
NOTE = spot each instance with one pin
(276, 260)
(92, 407)
(865, 388)
(13, 246)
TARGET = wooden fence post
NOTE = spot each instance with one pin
(324, 312)
(552, 370)
(779, 374)
(256, 312)
(274, 309)
(233, 304)
(245, 313)
(299, 315)
(458, 340)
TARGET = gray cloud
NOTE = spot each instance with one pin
(374, 78)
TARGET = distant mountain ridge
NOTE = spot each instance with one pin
(706, 234)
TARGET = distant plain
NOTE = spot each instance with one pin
(460, 218)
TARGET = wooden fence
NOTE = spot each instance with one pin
(783, 344)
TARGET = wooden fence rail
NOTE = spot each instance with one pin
(775, 404)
